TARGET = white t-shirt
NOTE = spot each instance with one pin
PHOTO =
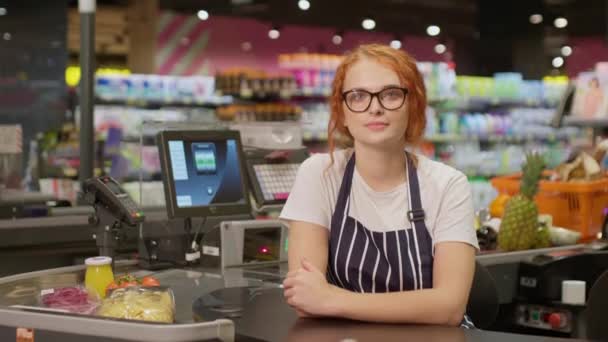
(445, 194)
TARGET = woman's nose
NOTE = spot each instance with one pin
(375, 108)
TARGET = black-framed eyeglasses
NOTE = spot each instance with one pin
(359, 100)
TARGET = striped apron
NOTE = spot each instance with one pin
(361, 260)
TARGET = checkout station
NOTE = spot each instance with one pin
(220, 264)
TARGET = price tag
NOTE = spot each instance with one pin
(210, 250)
(46, 292)
(11, 139)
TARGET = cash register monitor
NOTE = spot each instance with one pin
(203, 173)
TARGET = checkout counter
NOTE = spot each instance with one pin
(227, 280)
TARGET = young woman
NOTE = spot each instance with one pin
(376, 233)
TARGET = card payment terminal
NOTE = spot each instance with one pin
(105, 191)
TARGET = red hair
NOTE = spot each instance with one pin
(401, 63)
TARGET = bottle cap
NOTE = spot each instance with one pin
(98, 261)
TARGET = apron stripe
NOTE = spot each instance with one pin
(375, 272)
(361, 263)
(370, 265)
(390, 269)
(412, 264)
(394, 259)
(344, 249)
(418, 256)
(400, 261)
(408, 268)
(344, 217)
(350, 251)
(383, 265)
(357, 257)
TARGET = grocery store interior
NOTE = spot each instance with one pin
(148, 148)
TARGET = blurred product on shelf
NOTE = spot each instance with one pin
(270, 135)
(248, 83)
(439, 80)
(59, 153)
(313, 72)
(482, 191)
(314, 121)
(260, 112)
(11, 156)
(61, 188)
(502, 159)
(512, 86)
(131, 119)
(514, 124)
(153, 190)
(157, 88)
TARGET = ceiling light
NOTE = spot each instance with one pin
(274, 34)
(396, 44)
(560, 22)
(2, 11)
(557, 62)
(203, 15)
(440, 48)
(368, 24)
(336, 39)
(433, 30)
(6, 36)
(304, 5)
(536, 18)
(566, 50)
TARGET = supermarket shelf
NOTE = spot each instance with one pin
(311, 94)
(445, 138)
(153, 104)
(485, 102)
(298, 95)
(580, 122)
(314, 137)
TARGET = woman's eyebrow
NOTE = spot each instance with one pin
(382, 88)
(391, 86)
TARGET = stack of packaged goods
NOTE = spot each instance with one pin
(248, 83)
(512, 87)
(156, 88)
(313, 72)
(260, 112)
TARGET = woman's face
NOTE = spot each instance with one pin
(375, 125)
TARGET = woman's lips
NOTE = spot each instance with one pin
(376, 126)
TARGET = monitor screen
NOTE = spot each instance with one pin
(204, 171)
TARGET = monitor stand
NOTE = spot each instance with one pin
(165, 246)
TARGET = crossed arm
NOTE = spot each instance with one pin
(307, 290)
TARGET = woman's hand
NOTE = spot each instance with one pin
(309, 293)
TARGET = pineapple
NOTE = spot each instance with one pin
(518, 230)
